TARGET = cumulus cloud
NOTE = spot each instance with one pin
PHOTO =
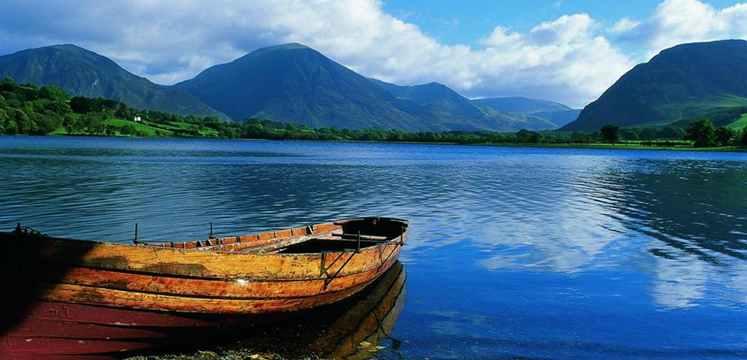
(553, 57)
(568, 59)
(683, 21)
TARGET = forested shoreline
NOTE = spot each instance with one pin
(27, 109)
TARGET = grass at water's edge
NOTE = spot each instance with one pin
(617, 146)
(622, 147)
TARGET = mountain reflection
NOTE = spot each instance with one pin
(695, 214)
(689, 216)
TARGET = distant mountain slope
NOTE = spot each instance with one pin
(517, 104)
(549, 111)
(294, 83)
(559, 118)
(85, 73)
(445, 103)
(434, 94)
(679, 83)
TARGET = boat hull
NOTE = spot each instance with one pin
(64, 331)
(61, 297)
(56, 330)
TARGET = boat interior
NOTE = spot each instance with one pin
(346, 235)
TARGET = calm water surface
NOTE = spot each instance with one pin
(528, 253)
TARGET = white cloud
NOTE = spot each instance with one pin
(624, 25)
(561, 55)
(683, 21)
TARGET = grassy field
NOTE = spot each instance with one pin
(150, 130)
(623, 146)
(739, 124)
(205, 131)
(60, 131)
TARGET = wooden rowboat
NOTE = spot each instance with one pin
(62, 296)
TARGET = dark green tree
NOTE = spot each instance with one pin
(54, 94)
(47, 123)
(3, 120)
(123, 112)
(579, 137)
(701, 132)
(23, 124)
(70, 124)
(725, 135)
(93, 123)
(110, 131)
(528, 136)
(128, 130)
(610, 133)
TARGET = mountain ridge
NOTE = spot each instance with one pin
(82, 72)
(295, 83)
(554, 113)
(681, 82)
(289, 82)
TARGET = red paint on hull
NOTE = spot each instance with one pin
(62, 357)
(54, 330)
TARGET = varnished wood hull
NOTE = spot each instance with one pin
(56, 331)
(175, 282)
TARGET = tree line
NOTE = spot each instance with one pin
(29, 109)
(700, 131)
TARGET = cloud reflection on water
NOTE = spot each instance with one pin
(683, 221)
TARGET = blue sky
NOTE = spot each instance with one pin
(568, 51)
(470, 20)
(467, 21)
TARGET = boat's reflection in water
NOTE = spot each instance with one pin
(354, 328)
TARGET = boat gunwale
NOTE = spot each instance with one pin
(217, 248)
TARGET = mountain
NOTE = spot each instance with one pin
(434, 95)
(297, 84)
(289, 83)
(293, 83)
(519, 104)
(442, 102)
(679, 83)
(84, 73)
(549, 111)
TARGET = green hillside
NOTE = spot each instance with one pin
(84, 73)
(730, 117)
(682, 82)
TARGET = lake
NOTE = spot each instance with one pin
(534, 253)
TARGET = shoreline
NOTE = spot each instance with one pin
(595, 146)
